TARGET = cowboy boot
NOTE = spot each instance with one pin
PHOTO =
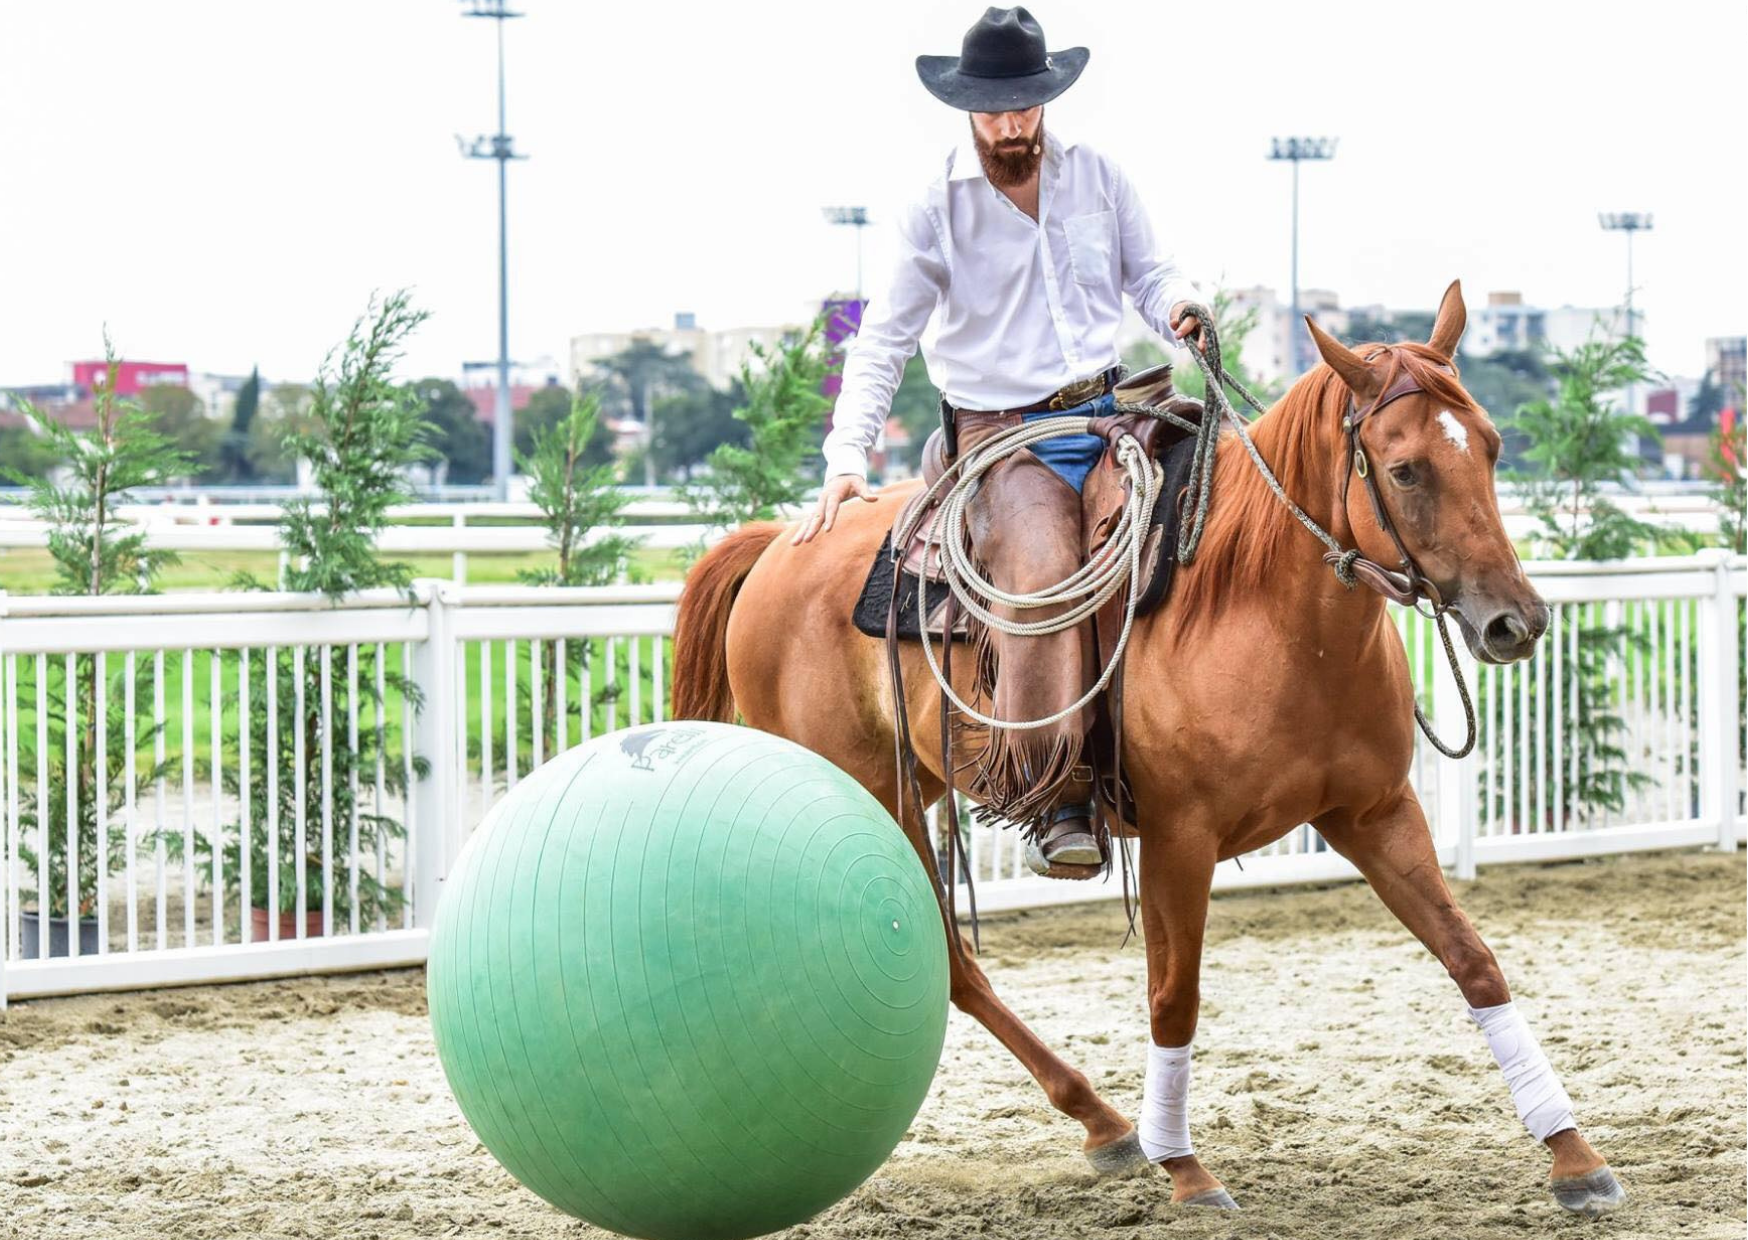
(1068, 847)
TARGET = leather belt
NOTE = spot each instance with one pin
(1066, 397)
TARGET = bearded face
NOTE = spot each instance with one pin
(1010, 161)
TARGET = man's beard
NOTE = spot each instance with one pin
(1011, 162)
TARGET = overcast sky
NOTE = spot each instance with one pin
(225, 183)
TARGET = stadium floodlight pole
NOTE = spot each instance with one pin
(1629, 222)
(1297, 150)
(857, 218)
(497, 146)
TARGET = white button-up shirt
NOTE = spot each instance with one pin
(1020, 308)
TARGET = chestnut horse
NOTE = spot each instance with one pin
(1265, 694)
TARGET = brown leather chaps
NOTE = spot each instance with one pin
(1025, 527)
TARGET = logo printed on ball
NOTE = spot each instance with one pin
(645, 748)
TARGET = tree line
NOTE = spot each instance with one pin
(641, 382)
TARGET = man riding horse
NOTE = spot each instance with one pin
(1273, 690)
(1020, 253)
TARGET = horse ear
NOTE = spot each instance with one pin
(1447, 329)
(1345, 362)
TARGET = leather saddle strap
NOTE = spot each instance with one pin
(954, 855)
(907, 779)
(1115, 838)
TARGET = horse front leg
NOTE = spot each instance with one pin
(1394, 850)
(1176, 875)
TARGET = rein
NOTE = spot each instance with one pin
(1406, 585)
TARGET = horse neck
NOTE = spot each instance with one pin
(1300, 437)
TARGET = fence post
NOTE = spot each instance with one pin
(1456, 806)
(1716, 680)
(434, 798)
(7, 912)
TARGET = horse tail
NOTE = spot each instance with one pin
(700, 674)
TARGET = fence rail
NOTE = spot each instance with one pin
(658, 520)
(227, 786)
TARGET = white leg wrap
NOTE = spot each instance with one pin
(1165, 1103)
(1541, 1100)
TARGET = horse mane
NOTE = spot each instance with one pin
(1250, 535)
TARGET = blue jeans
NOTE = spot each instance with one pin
(1073, 456)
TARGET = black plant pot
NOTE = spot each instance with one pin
(31, 937)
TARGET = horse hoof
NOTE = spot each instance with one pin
(1036, 863)
(1589, 1196)
(1212, 1199)
(1120, 1159)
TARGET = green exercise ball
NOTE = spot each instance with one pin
(688, 981)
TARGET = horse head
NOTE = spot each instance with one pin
(1419, 456)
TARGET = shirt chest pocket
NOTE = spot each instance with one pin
(1092, 242)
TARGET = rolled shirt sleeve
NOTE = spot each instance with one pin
(891, 326)
(1151, 276)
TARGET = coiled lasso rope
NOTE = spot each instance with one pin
(1116, 564)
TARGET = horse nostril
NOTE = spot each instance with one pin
(1506, 632)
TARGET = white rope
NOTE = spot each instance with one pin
(1093, 584)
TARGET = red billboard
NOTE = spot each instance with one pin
(130, 377)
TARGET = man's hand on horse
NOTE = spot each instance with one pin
(836, 490)
(1187, 326)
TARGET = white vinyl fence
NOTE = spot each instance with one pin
(267, 784)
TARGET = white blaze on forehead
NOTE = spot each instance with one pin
(1455, 431)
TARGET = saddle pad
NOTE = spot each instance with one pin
(876, 597)
(1159, 552)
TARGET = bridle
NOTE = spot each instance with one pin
(1405, 585)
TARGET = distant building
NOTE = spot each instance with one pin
(130, 377)
(715, 355)
(485, 398)
(218, 393)
(58, 402)
(1266, 348)
(1727, 360)
(1505, 325)
(74, 403)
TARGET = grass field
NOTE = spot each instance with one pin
(609, 700)
(30, 571)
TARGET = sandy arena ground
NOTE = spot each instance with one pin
(1339, 1089)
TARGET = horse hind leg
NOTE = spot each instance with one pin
(1111, 1144)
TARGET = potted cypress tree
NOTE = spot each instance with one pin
(93, 553)
(359, 436)
(1578, 439)
(576, 499)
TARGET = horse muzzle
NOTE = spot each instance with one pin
(1501, 631)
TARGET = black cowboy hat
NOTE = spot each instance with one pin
(1003, 66)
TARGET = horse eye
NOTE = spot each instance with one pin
(1403, 475)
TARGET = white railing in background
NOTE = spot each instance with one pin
(510, 675)
(458, 529)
